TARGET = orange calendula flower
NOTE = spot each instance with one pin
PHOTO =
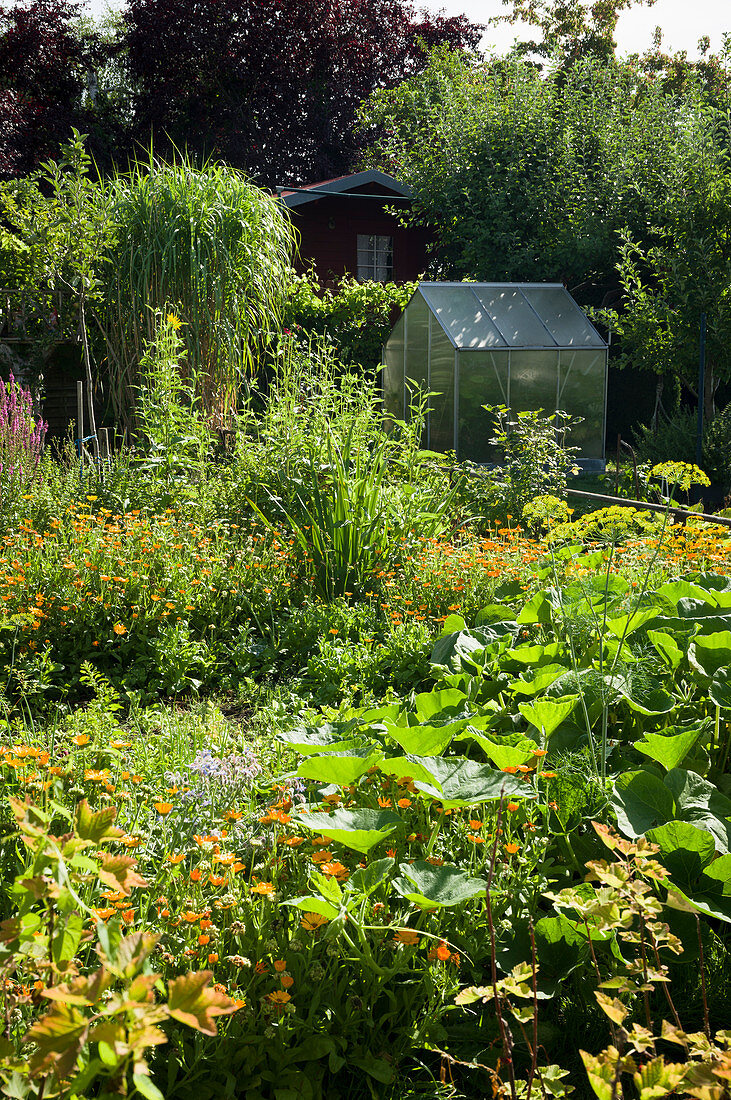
(218, 880)
(213, 957)
(119, 628)
(203, 940)
(279, 997)
(323, 856)
(406, 936)
(311, 922)
(404, 803)
(475, 824)
(81, 739)
(336, 870)
(163, 808)
(196, 875)
(105, 914)
(264, 888)
(511, 849)
(280, 965)
(513, 806)
(178, 858)
(121, 745)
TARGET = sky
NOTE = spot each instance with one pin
(683, 22)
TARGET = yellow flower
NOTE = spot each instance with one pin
(174, 321)
(119, 628)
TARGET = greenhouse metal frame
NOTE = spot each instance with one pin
(523, 345)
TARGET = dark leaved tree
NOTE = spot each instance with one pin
(272, 86)
(44, 70)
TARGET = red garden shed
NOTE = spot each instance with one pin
(345, 228)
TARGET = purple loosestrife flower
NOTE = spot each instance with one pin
(21, 441)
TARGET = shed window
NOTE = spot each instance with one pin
(375, 257)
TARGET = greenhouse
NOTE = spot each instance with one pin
(524, 345)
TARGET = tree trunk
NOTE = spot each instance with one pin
(89, 379)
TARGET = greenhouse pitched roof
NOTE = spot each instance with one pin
(488, 316)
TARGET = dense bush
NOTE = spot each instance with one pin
(356, 317)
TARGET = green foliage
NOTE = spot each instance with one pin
(530, 175)
(671, 438)
(356, 317)
(176, 435)
(535, 456)
(99, 1026)
(213, 244)
(717, 448)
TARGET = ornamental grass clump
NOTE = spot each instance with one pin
(21, 442)
(213, 243)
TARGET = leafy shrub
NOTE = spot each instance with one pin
(170, 411)
(717, 448)
(356, 318)
(671, 438)
(536, 459)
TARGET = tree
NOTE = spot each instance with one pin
(685, 270)
(272, 86)
(569, 29)
(61, 217)
(524, 175)
(43, 77)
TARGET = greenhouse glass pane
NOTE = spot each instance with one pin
(514, 318)
(463, 316)
(441, 417)
(533, 380)
(393, 372)
(417, 348)
(563, 318)
(581, 392)
(483, 380)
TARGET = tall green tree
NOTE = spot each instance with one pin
(683, 270)
(530, 176)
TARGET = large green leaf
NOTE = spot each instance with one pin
(534, 656)
(720, 688)
(331, 735)
(312, 904)
(641, 801)
(625, 625)
(360, 830)
(702, 804)
(449, 703)
(668, 648)
(458, 652)
(544, 678)
(424, 739)
(501, 754)
(685, 850)
(432, 887)
(403, 766)
(710, 652)
(341, 768)
(460, 782)
(546, 715)
(711, 895)
(642, 695)
(538, 609)
(671, 747)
